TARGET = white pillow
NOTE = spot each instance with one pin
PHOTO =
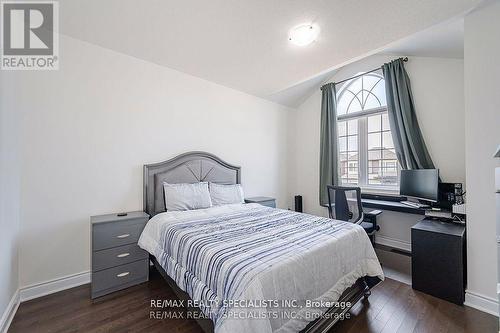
(226, 194)
(186, 196)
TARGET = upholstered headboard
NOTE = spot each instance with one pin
(190, 167)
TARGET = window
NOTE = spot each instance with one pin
(366, 151)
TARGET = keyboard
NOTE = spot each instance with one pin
(414, 204)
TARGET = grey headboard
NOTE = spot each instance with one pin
(190, 167)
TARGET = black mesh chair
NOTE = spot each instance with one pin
(344, 203)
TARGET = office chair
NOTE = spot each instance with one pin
(344, 203)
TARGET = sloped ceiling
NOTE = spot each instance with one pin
(243, 44)
(444, 40)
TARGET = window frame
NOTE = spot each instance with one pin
(362, 118)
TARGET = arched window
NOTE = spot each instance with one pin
(361, 94)
(367, 156)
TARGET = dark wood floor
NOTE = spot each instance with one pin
(392, 307)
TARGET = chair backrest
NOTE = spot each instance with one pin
(344, 203)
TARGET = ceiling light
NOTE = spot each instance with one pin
(304, 34)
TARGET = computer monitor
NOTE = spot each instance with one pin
(420, 184)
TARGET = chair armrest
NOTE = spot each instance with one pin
(374, 212)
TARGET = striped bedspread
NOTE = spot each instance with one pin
(251, 252)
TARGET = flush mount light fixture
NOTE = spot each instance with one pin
(304, 34)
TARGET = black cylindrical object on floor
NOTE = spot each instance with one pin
(298, 203)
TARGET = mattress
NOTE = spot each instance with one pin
(258, 269)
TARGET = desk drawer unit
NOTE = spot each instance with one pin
(117, 261)
(439, 259)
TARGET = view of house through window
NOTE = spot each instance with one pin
(366, 151)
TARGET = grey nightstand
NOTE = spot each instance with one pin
(264, 201)
(117, 261)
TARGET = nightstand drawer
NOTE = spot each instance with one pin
(270, 203)
(108, 235)
(119, 277)
(264, 201)
(117, 256)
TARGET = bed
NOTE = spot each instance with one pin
(252, 268)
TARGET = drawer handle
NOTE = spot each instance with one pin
(123, 236)
(123, 255)
(122, 274)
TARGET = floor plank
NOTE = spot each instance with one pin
(393, 307)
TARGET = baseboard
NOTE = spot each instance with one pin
(392, 242)
(481, 302)
(9, 312)
(53, 286)
(38, 290)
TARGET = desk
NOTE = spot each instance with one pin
(391, 205)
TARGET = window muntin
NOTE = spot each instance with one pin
(366, 151)
(364, 93)
(348, 151)
(382, 161)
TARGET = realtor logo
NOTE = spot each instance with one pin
(29, 35)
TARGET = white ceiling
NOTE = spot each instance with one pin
(243, 44)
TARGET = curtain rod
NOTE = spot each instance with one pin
(405, 59)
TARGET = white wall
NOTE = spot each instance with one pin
(482, 137)
(437, 85)
(438, 89)
(9, 203)
(88, 128)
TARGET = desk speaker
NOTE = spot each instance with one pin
(298, 203)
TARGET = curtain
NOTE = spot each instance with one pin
(409, 144)
(328, 160)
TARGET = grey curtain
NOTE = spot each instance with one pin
(410, 146)
(328, 160)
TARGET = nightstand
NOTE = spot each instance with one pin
(264, 201)
(117, 261)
